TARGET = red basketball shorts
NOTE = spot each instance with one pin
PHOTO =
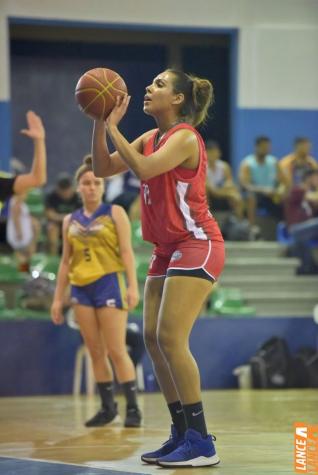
(196, 258)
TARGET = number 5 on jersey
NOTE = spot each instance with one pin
(87, 254)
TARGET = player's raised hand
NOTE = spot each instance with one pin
(35, 128)
(118, 112)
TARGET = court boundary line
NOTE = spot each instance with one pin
(28, 459)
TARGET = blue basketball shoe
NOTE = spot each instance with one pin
(195, 451)
(167, 447)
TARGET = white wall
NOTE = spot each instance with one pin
(278, 68)
(278, 39)
(236, 13)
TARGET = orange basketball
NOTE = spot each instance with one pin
(96, 92)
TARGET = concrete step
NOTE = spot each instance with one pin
(281, 312)
(282, 303)
(270, 283)
(273, 312)
(279, 295)
(256, 266)
(233, 249)
(253, 249)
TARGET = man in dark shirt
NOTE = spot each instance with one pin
(6, 187)
(301, 215)
(297, 163)
(61, 201)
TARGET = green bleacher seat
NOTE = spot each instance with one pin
(228, 297)
(37, 259)
(35, 202)
(136, 237)
(19, 313)
(11, 275)
(242, 311)
(142, 269)
(229, 302)
(136, 234)
(7, 260)
(44, 263)
(2, 300)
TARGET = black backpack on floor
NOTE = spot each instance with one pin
(234, 229)
(305, 368)
(271, 367)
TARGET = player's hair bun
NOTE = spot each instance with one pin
(86, 166)
(88, 160)
(202, 94)
(198, 96)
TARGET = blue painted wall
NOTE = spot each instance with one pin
(37, 358)
(281, 126)
(5, 135)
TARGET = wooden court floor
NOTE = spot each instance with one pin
(254, 431)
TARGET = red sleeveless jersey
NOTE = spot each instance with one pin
(174, 205)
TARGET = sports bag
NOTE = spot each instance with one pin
(271, 366)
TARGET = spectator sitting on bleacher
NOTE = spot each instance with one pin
(263, 180)
(301, 215)
(124, 190)
(222, 193)
(22, 231)
(62, 200)
(296, 164)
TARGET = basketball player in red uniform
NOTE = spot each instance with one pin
(188, 254)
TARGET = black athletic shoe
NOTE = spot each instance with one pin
(133, 417)
(104, 416)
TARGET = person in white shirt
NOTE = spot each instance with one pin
(22, 231)
(222, 192)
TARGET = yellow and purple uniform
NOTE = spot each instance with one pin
(96, 268)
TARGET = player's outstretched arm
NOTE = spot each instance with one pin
(104, 163)
(181, 147)
(37, 176)
(107, 164)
